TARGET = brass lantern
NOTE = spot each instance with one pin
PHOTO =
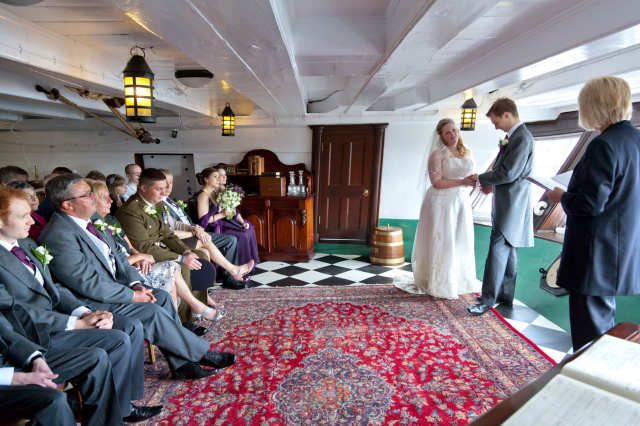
(228, 121)
(138, 91)
(469, 109)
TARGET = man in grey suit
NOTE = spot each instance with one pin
(29, 384)
(227, 244)
(26, 280)
(512, 210)
(100, 276)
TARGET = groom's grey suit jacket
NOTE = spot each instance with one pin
(83, 268)
(512, 210)
(47, 304)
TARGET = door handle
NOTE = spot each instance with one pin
(366, 193)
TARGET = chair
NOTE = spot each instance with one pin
(192, 209)
(152, 353)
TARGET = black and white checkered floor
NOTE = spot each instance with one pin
(355, 270)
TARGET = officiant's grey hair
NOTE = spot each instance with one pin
(60, 188)
(604, 101)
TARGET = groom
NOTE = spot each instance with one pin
(511, 213)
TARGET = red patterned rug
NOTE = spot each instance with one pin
(369, 355)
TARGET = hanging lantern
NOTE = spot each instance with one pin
(138, 91)
(469, 109)
(228, 121)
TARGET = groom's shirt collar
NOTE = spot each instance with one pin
(513, 129)
(148, 203)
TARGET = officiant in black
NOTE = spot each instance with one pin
(601, 251)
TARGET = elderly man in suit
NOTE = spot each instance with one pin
(29, 384)
(25, 279)
(512, 210)
(100, 276)
(227, 244)
(601, 251)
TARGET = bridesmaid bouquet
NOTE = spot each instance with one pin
(230, 198)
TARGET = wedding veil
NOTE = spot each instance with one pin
(434, 153)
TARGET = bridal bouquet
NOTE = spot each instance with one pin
(230, 199)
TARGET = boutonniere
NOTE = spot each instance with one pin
(101, 226)
(42, 254)
(182, 205)
(152, 211)
(114, 228)
(503, 144)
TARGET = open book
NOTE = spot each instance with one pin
(600, 387)
(561, 181)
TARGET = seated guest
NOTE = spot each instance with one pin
(62, 170)
(89, 265)
(11, 173)
(179, 219)
(97, 176)
(163, 275)
(132, 172)
(30, 386)
(39, 221)
(25, 279)
(45, 209)
(213, 218)
(145, 221)
(117, 188)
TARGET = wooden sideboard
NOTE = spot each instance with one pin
(283, 225)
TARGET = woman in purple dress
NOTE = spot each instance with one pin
(213, 219)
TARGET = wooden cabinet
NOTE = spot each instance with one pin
(283, 225)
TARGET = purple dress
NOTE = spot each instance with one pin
(247, 245)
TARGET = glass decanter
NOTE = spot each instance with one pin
(303, 187)
(292, 184)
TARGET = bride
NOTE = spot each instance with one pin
(443, 258)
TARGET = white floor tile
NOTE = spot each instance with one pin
(263, 286)
(355, 275)
(518, 325)
(272, 266)
(557, 356)
(310, 285)
(320, 255)
(543, 322)
(347, 256)
(352, 264)
(357, 284)
(312, 264)
(570, 351)
(517, 302)
(398, 266)
(311, 276)
(267, 277)
(394, 273)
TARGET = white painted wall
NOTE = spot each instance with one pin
(109, 152)
(405, 147)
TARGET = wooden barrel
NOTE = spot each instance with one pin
(387, 248)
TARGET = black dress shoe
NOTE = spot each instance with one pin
(192, 370)
(139, 414)
(234, 285)
(478, 309)
(194, 328)
(217, 359)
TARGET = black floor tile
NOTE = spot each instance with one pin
(334, 281)
(288, 282)
(548, 338)
(365, 259)
(374, 269)
(331, 259)
(332, 270)
(408, 267)
(377, 279)
(290, 271)
(518, 313)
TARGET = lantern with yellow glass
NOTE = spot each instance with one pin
(469, 109)
(138, 91)
(228, 121)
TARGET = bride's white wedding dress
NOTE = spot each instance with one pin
(443, 256)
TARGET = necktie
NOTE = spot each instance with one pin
(95, 232)
(22, 257)
(173, 203)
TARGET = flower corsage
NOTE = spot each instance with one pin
(503, 144)
(183, 206)
(101, 226)
(114, 228)
(42, 254)
(152, 211)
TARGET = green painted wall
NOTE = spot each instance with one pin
(530, 260)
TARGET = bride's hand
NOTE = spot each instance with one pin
(468, 182)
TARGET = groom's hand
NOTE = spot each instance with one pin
(473, 177)
(555, 195)
(486, 190)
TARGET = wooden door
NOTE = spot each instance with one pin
(350, 162)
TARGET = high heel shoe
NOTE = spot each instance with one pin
(220, 313)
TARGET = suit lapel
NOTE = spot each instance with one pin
(83, 235)
(172, 212)
(51, 289)
(16, 268)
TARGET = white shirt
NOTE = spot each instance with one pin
(131, 190)
(104, 248)
(513, 129)
(78, 312)
(177, 210)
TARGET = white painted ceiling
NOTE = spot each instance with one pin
(344, 57)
